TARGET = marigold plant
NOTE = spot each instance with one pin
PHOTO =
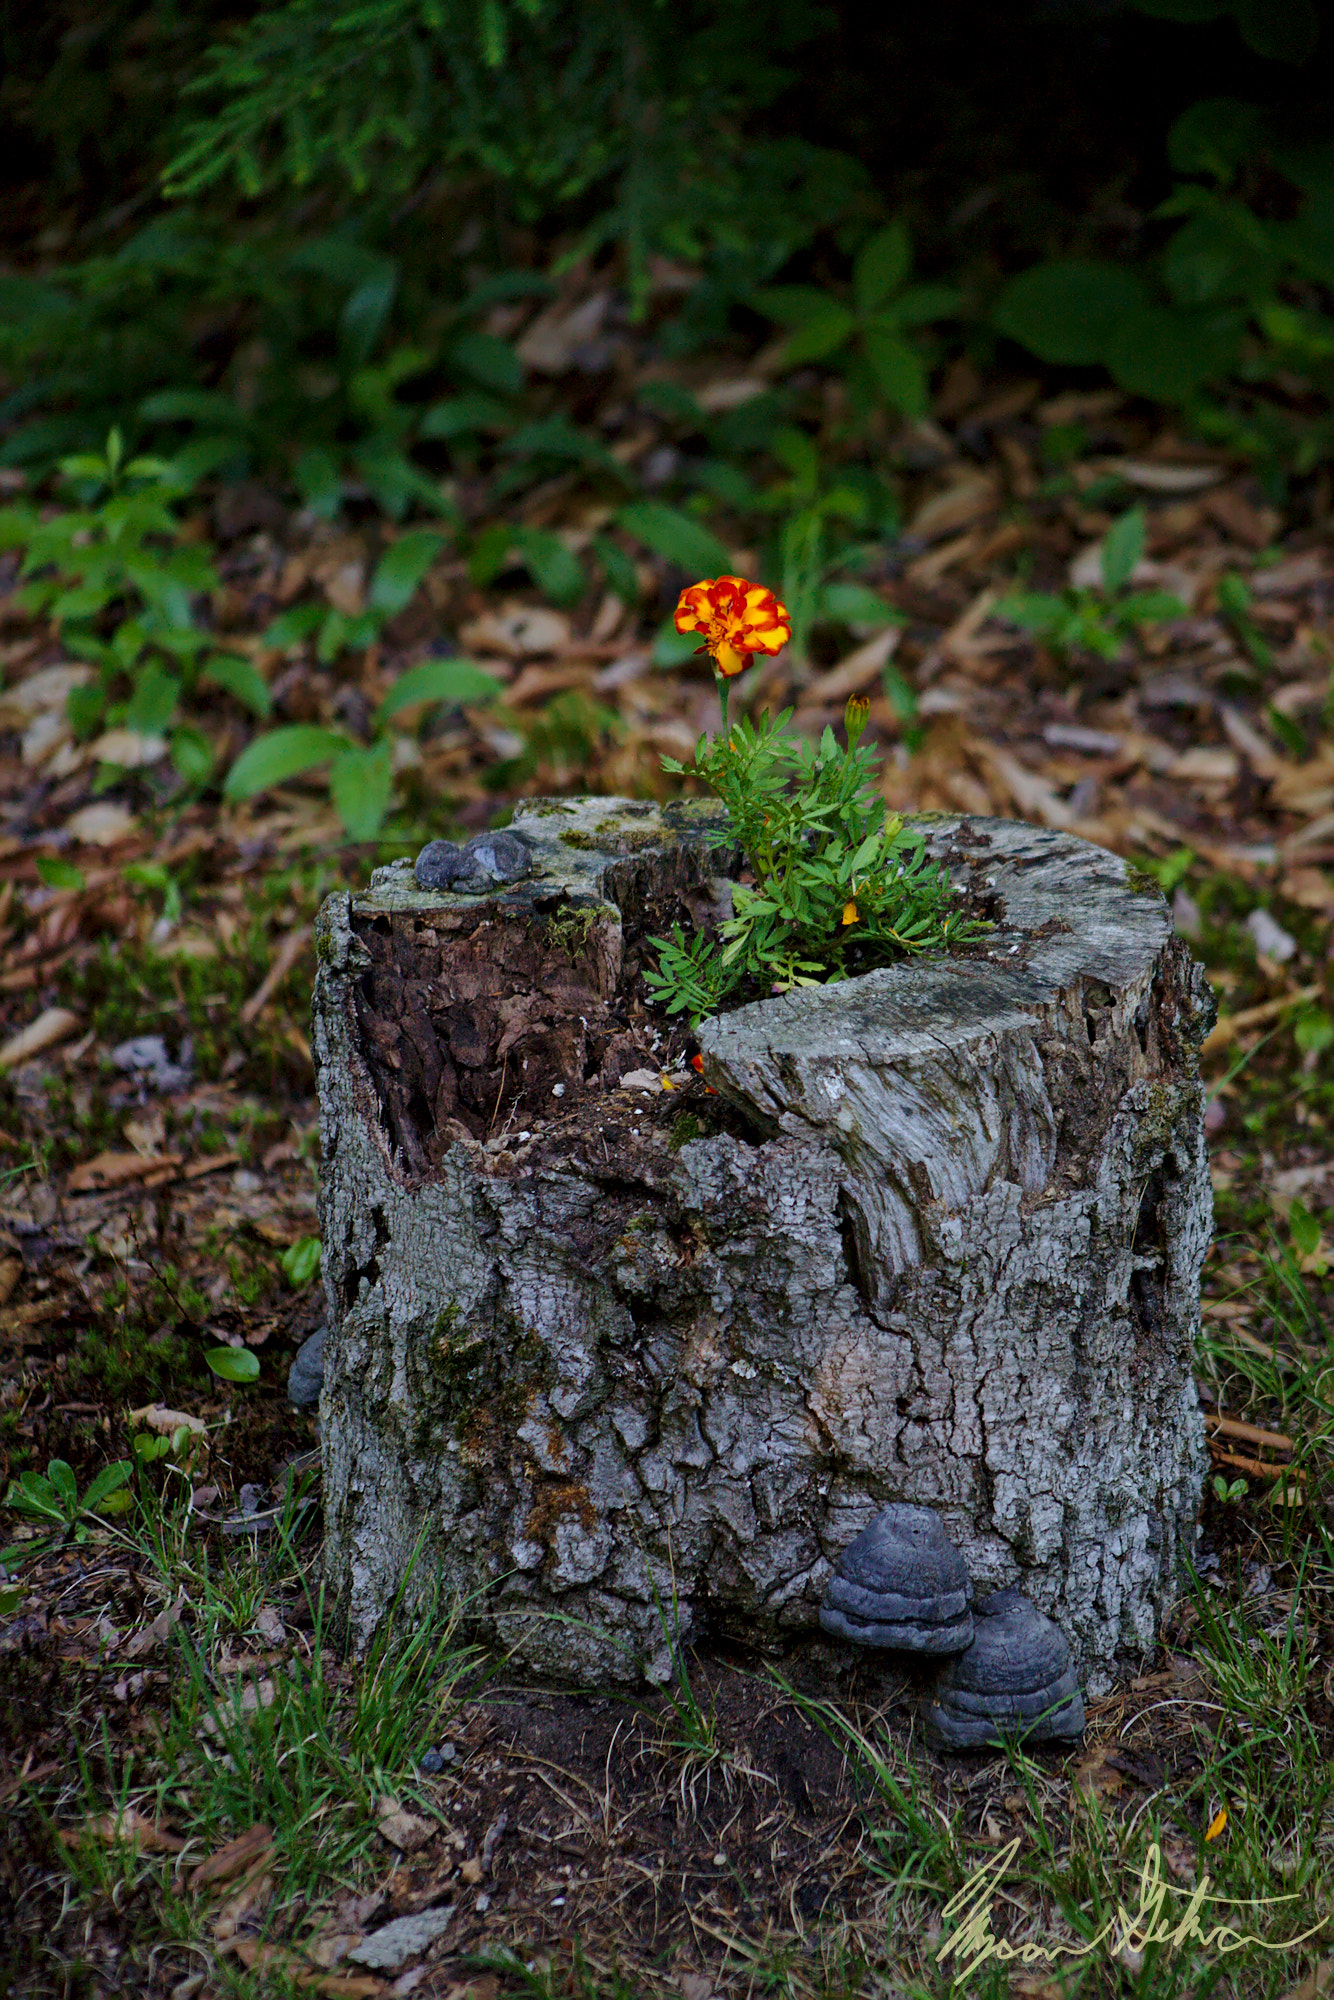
(840, 883)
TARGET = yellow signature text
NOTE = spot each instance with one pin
(973, 1942)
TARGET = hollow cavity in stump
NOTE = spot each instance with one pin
(632, 1363)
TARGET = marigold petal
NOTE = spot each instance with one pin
(693, 611)
(727, 660)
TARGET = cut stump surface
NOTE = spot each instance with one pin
(613, 1360)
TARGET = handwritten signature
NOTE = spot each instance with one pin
(974, 1942)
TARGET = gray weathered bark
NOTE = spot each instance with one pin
(938, 1239)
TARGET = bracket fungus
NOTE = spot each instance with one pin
(1014, 1680)
(480, 865)
(902, 1584)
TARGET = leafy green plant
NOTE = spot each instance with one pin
(300, 1262)
(1234, 602)
(1096, 621)
(397, 575)
(532, 94)
(1283, 30)
(52, 1499)
(805, 555)
(361, 775)
(865, 337)
(841, 883)
(233, 1364)
(1227, 1492)
(111, 570)
(1233, 294)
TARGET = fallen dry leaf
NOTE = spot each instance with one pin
(955, 506)
(1297, 573)
(400, 1828)
(729, 392)
(518, 631)
(1152, 477)
(327, 1950)
(270, 1626)
(52, 1026)
(1229, 1026)
(49, 689)
(255, 1695)
(861, 669)
(1096, 1774)
(535, 684)
(552, 341)
(130, 748)
(157, 1417)
(146, 1135)
(229, 1861)
(1315, 1983)
(274, 1957)
(133, 1828)
(11, 1270)
(253, 1892)
(109, 1170)
(158, 1633)
(101, 825)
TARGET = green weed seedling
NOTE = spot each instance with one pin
(1234, 602)
(233, 1364)
(300, 1261)
(866, 337)
(1227, 1492)
(559, 740)
(111, 569)
(810, 550)
(53, 1500)
(361, 775)
(1096, 621)
(1224, 280)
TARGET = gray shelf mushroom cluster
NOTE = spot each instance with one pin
(484, 863)
(1006, 1672)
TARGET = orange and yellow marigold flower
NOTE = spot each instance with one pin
(736, 619)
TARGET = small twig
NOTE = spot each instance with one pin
(1254, 1466)
(286, 956)
(499, 1094)
(491, 1840)
(1248, 1433)
(1230, 1026)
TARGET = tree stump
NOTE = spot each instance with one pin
(623, 1365)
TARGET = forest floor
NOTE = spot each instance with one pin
(202, 1798)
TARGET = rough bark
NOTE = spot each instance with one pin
(627, 1363)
